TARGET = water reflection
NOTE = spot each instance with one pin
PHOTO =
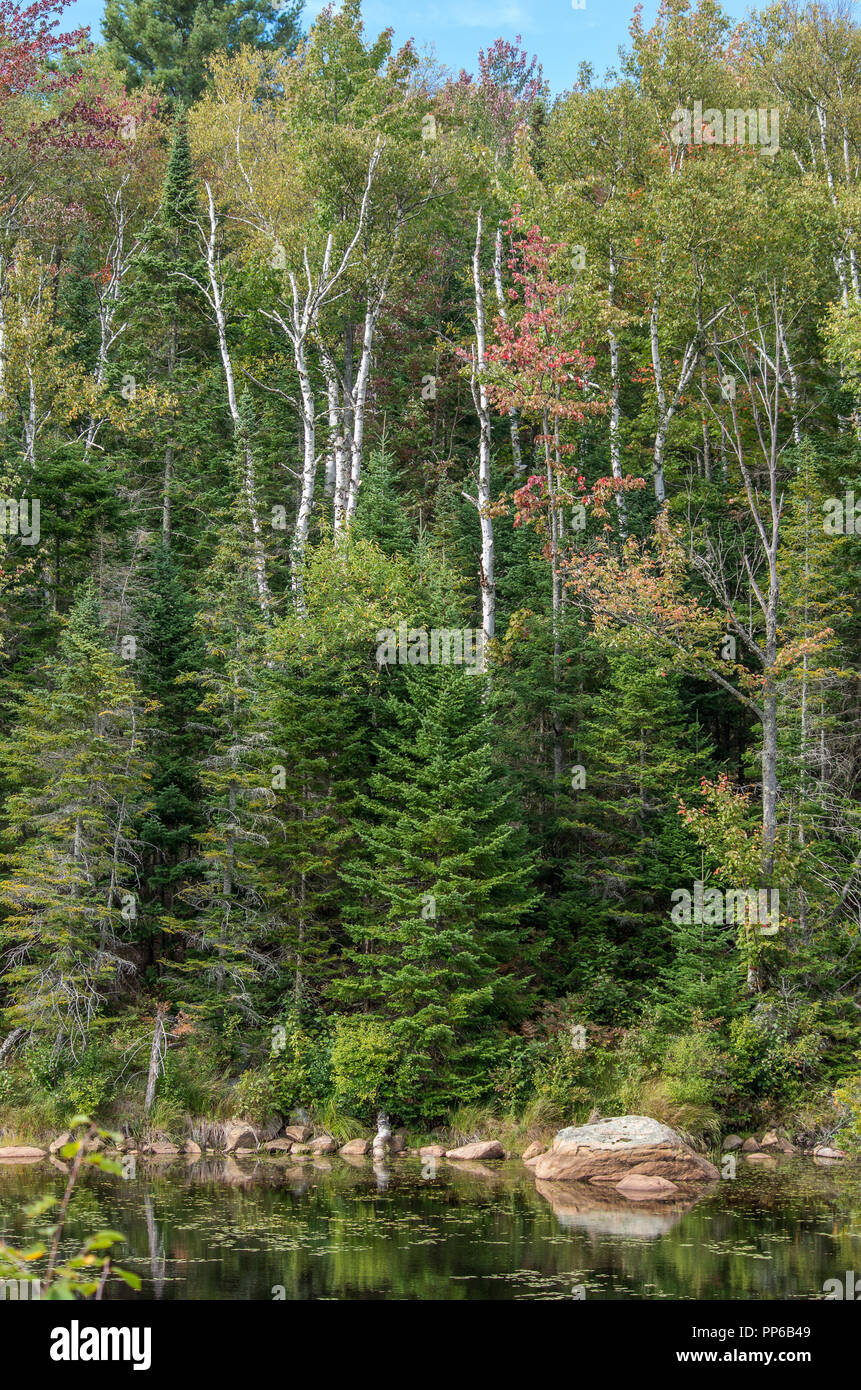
(237, 1228)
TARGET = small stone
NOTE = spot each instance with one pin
(21, 1153)
(432, 1151)
(323, 1144)
(61, 1141)
(823, 1151)
(299, 1134)
(534, 1151)
(750, 1146)
(771, 1140)
(732, 1141)
(355, 1148)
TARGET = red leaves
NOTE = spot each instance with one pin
(536, 348)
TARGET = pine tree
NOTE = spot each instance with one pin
(74, 759)
(232, 913)
(172, 654)
(167, 338)
(380, 515)
(635, 755)
(167, 44)
(444, 886)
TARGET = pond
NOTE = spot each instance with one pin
(224, 1228)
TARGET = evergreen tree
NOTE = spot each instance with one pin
(167, 336)
(444, 887)
(167, 42)
(172, 654)
(635, 756)
(78, 303)
(232, 914)
(380, 515)
(74, 759)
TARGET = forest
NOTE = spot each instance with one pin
(430, 575)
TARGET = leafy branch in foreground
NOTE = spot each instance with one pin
(85, 1274)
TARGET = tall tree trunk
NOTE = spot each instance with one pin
(215, 298)
(482, 501)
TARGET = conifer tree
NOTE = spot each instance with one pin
(74, 759)
(172, 655)
(168, 44)
(228, 897)
(166, 335)
(444, 888)
(637, 753)
(381, 515)
(77, 302)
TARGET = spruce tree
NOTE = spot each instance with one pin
(381, 515)
(167, 340)
(171, 656)
(74, 760)
(635, 755)
(441, 889)
(228, 897)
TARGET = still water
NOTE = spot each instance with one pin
(329, 1229)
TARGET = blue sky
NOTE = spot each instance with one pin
(561, 36)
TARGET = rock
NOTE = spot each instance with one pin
(823, 1151)
(192, 1147)
(489, 1148)
(432, 1151)
(640, 1187)
(162, 1148)
(609, 1150)
(534, 1151)
(299, 1134)
(355, 1148)
(279, 1146)
(750, 1146)
(399, 1141)
(773, 1140)
(323, 1144)
(21, 1153)
(783, 1145)
(61, 1141)
(239, 1136)
(761, 1160)
(732, 1141)
(605, 1212)
(299, 1149)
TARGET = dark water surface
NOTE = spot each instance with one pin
(329, 1229)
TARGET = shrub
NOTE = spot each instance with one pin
(365, 1063)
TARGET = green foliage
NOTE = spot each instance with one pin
(168, 45)
(365, 1065)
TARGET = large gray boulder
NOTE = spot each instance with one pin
(610, 1150)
